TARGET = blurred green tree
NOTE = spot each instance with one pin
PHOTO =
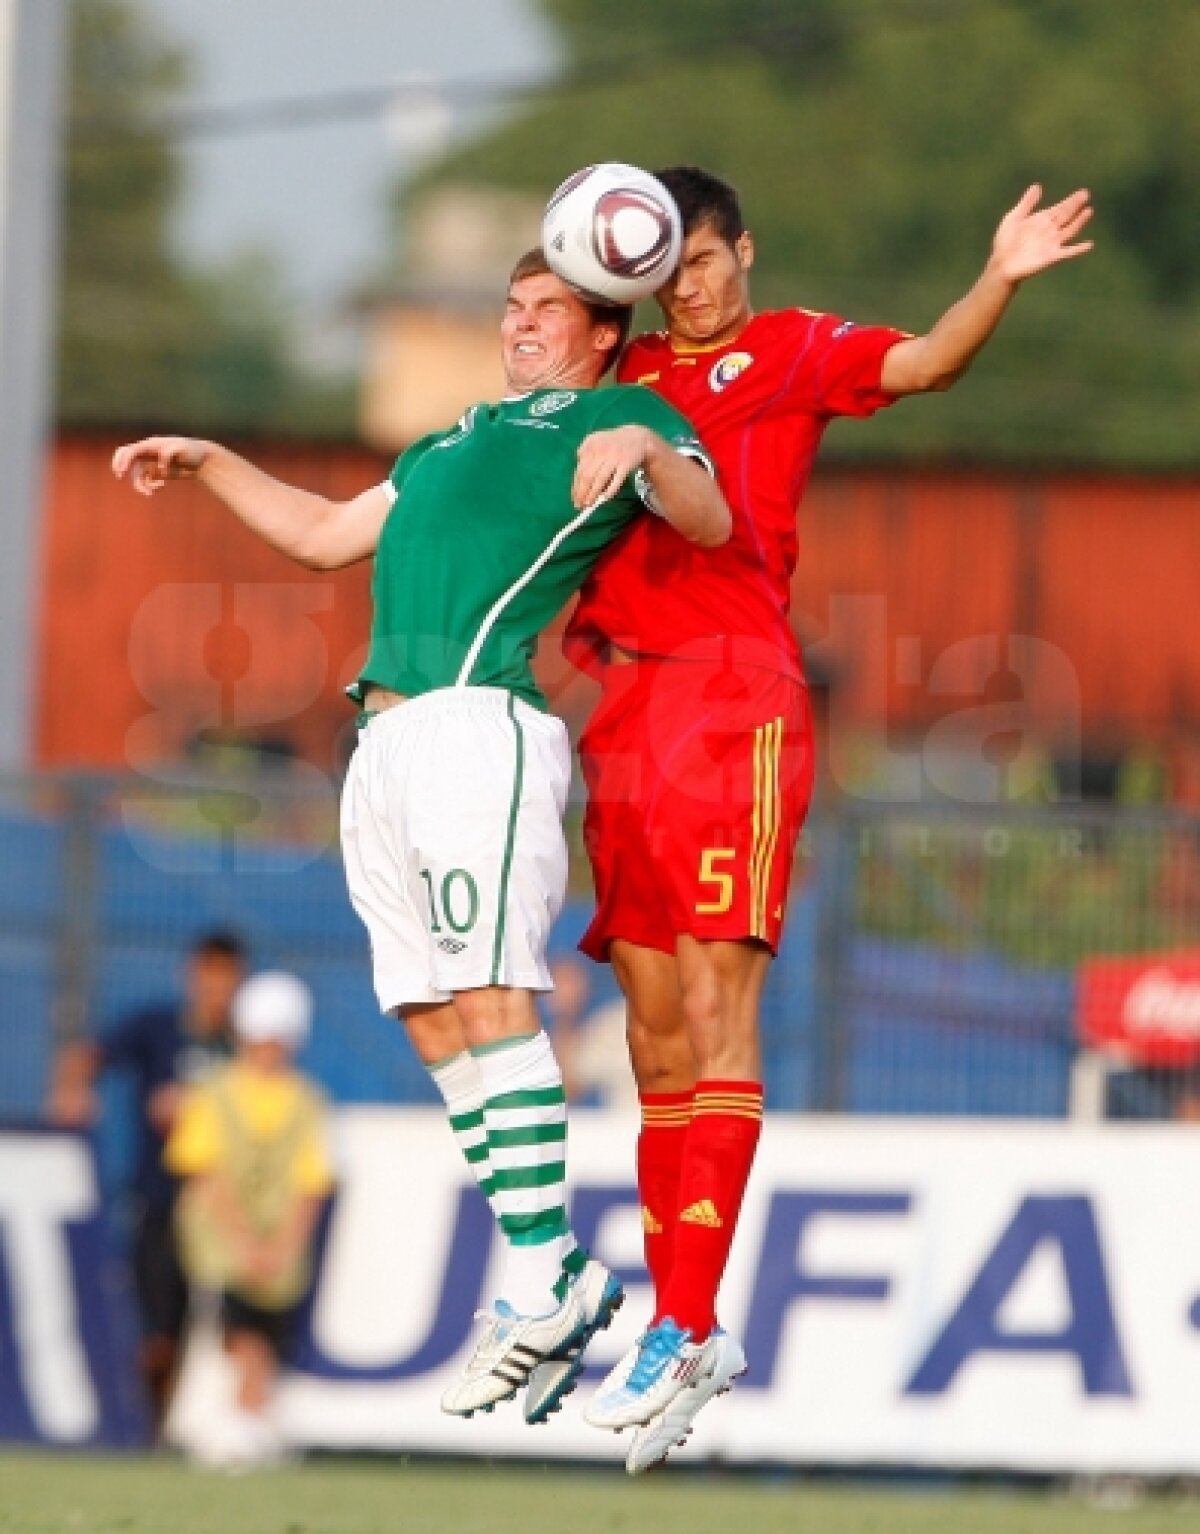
(876, 144)
(145, 336)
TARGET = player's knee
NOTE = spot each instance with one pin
(492, 1013)
(662, 1059)
(722, 1030)
(431, 1041)
(702, 1002)
(650, 1031)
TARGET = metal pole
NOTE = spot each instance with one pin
(32, 76)
(79, 929)
(837, 869)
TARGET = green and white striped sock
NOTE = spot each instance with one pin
(525, 1114)
(457, 1079)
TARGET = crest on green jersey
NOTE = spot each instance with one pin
(549, 403)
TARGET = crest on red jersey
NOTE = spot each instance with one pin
(730, 367)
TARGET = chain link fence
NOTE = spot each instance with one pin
(954, 946)
(934, 962)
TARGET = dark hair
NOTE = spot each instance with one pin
(219, 944)
(703, 198)
(534, 264)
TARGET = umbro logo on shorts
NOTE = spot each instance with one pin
(451, 945)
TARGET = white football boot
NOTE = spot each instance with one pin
(600, 1297)
(655, 1439)
(667, 1362)
(510, 1350)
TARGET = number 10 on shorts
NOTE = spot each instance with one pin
(455, 901)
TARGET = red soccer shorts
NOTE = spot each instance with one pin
(699, 778)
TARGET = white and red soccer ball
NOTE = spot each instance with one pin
(613, 233)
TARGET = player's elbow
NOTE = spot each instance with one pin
(713, 529)
(311, 555)
(323, 544)
(317, 556)
(917, 367)
(938, 382)
(932, 376)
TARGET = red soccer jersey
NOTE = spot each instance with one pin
(759, 404)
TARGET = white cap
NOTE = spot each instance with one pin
(273, 1008)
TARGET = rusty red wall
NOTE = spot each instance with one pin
(1103, 576)
(162, 618)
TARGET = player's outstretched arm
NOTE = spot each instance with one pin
(684, 492)
(310, 529)
(1028, 240)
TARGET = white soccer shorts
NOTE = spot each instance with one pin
(453, 842)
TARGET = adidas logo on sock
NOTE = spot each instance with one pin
(703, 1213)
(649, 1224)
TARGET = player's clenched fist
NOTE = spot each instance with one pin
(606, 460)
(151, 462)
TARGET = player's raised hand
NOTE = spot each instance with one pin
(1029, 238)
(151, 462)
(605, 461)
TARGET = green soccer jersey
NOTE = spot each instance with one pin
(483, 545)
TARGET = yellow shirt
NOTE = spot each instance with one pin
(266, 1103)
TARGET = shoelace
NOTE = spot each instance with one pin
(500, 1322)
(660, 1344)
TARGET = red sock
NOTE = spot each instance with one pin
(660, 1146)
(718, 1155)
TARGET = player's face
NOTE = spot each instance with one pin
(708, 300)
(266, 1057)
(548, 339)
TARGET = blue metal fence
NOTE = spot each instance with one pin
(928, 965)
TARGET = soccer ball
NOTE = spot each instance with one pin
(613, 233)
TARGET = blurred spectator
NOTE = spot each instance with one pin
(1148, 1093)
(250, 1144)
(163, 1047)
(591, 1046)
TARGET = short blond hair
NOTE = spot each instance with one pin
(534, 264)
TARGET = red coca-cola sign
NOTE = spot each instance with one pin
(1148, 1009)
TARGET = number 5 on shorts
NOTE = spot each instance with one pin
(719, 883)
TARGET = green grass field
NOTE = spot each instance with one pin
(60, 1495)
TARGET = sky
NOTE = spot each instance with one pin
(314, 194)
